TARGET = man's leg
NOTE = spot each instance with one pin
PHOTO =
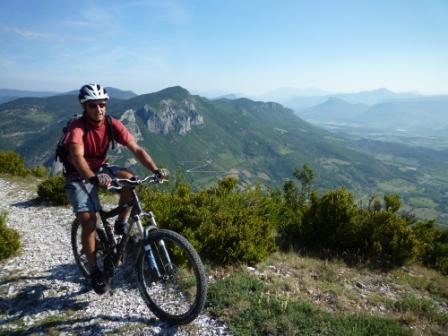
(97, 279)
(85, 202)
(88, 222)
(125, 197)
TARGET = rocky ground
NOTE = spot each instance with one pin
(42, 292)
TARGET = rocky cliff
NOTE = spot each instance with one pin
(170, 115)
(128, 119)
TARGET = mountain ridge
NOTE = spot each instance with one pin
(415, 116)
(7, 95)
(260, 142)
(364, 97)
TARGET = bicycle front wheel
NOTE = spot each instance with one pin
(175, 293)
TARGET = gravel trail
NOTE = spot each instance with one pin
(42, 292)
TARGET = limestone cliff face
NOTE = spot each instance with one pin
(170, 115)
(128, 119)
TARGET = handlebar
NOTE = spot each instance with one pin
(119, 183)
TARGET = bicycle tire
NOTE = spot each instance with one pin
(78, 252)
(178, 296)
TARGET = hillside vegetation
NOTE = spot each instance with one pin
(361, 251)
(340, 268)
(9, 239)
(228, 226)
(231, 226)
(259, 143)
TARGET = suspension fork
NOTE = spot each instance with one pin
(161, 248)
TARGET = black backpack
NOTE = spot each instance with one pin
(62, 152)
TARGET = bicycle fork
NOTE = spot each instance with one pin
(152, 251)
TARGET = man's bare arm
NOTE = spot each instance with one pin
(142, 155)
(80, 163)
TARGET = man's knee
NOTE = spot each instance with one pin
(88, 220)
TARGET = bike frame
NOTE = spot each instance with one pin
(136, 216)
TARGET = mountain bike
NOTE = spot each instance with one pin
(171, 276)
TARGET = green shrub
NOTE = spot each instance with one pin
(52, 190)
(330, 221)
(392, 202)
(226, 226)
(291, 206)
(392, 242)
(432, 245)
(334, 224)
(11, 163)
(38, 171)
(441, 252)
(9, 239)
(288, 222)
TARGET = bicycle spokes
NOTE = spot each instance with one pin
(175, 287)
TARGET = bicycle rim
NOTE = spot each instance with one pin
(178, 294)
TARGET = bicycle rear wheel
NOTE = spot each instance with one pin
(177, 295)
(78, 250)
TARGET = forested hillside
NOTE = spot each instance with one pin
(256, 142)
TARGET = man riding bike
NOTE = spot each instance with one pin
(88, 141)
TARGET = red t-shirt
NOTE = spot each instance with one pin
(96, 139)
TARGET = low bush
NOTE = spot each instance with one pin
(52, 190)
(226, 226)
(38, 171)
(334, 224)
(432, 245)
(9, 239)
(11, 163)
(392, 242)
(330, 221)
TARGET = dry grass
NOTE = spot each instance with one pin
(415, 296)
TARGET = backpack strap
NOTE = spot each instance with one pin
(110, 131)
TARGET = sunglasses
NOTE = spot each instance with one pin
(95, 105)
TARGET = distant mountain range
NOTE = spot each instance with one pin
(287, 93)
(261, 143)
(7, 95)
(11, 94)
(426, 116)
(301, 101)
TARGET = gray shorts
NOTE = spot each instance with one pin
(83, 195)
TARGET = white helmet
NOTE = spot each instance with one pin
(92, 92)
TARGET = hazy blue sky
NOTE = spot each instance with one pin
(239, 46)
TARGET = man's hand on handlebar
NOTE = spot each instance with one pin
(101, 180)
(161, 174)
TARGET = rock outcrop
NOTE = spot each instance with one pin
(128, 119)
(170, 115)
